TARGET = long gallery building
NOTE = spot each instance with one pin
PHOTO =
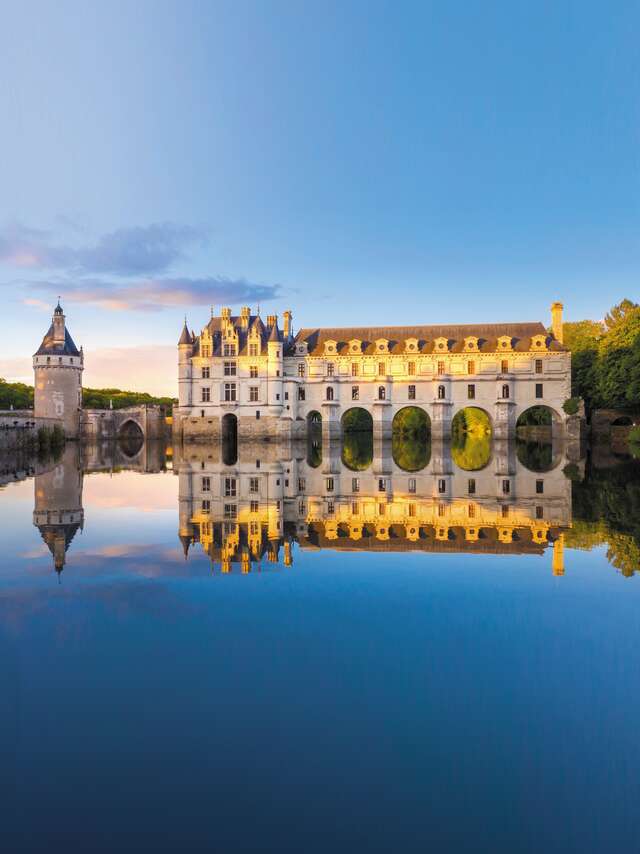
(275, 382)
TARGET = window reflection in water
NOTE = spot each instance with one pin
(362, 492)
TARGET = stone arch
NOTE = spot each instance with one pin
(314, 419)
(539, 415)
(622, 421)
(411, 419)
(131, 427)
(130, 438)
(356, 418)
(229, 437)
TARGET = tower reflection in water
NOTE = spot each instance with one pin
(369, 494)
(248, 505)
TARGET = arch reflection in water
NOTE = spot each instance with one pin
(411, 438)
(229, 439)
(471, 439)
(357, 439)
(538, 455)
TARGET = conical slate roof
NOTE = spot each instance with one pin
(49, 347)
(185, 338)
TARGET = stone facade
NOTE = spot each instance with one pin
(274, 381)
(57, 367)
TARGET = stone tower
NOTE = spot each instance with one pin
(58, 511)
(58, 366)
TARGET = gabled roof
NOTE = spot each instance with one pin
(51, 348)
(486, 333)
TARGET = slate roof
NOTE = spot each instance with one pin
(255, 325)
(486, 333)
(49, 348)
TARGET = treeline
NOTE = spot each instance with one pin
(605, 358)
(20, 396)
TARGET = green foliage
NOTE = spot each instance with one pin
(471, 420)
(571, 472)
(536, 416)
(411, 421)
(357, 419)
(99, 398)
(571, 405)
(357, 449)
(411, 452)
(536, 456)
(634, 435)
(50, 441)
(16, 395)
(606, 358)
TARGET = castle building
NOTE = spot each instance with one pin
(269, 380)
(58, 366)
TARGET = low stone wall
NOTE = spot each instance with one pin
(19, 428)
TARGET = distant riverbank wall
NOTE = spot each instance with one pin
(19, 428)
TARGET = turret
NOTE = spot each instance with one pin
(556, 321)
(57, 367)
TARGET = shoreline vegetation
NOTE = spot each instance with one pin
(20, 396)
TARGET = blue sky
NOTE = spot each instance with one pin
(357, 162)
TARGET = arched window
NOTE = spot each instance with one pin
(329, 393)
(382, 392)
(505, 392)
(442, 392)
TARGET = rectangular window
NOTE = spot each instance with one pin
(253, 394)
(381, 509)
(471, 367)
(230, 487)
(206, 506)
(206, 484)
(412, 392)
(257, 415)
(253, 349)
(539, 487)
(441, 510)
(471, 511)
(355, 369)
(538, 366)
(206, 395)
(205, 351)
(302, 484)
(412, 485)
(301, 369)
(253, 484)
(286, 395)
(253, 507)
(440, 368)
(330, 369)
(277, 397)
(230, 511)
(229, 350)
(254, 528)
(471, 392)
(355, 508)
(206, 372)
(539, 512)
(504, 366)
(411, 369)
(539, 393)
(355, 484)
(301, 508)
(505, 511)
(229, 391)
(253, 372)
(330, 507)
(442, 486)
(329, 484)
(412, 509)
(382, 484)
(506, 487)
(230, 369)
(301, 394)
(381, 369)
(355, 392)
(471, 486)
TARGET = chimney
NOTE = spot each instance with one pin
(288, 326)
(272, 320)
(556, 321)
(245, 314)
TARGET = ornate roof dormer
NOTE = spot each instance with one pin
(505, 343)
(538, 342)
(471, 344)
(331, 346)
(441, 345)
(382, 346)
(355, 346)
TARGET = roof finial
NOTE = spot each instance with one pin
(258, 310)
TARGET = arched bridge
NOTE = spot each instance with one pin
(131, 423)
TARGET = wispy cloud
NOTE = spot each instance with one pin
(156, 294)
(141, 250)
(120, 270)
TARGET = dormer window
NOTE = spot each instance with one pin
(471, 343)
(228, 349)
(355, 346)
(441, 344)
(504, 342)
(382, 345)
(330, 346)
(411, 345)
(539, 342)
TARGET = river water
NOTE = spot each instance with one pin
(351, 646)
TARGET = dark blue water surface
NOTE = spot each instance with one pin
(359, 699)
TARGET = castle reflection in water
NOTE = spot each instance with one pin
(246, 506)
